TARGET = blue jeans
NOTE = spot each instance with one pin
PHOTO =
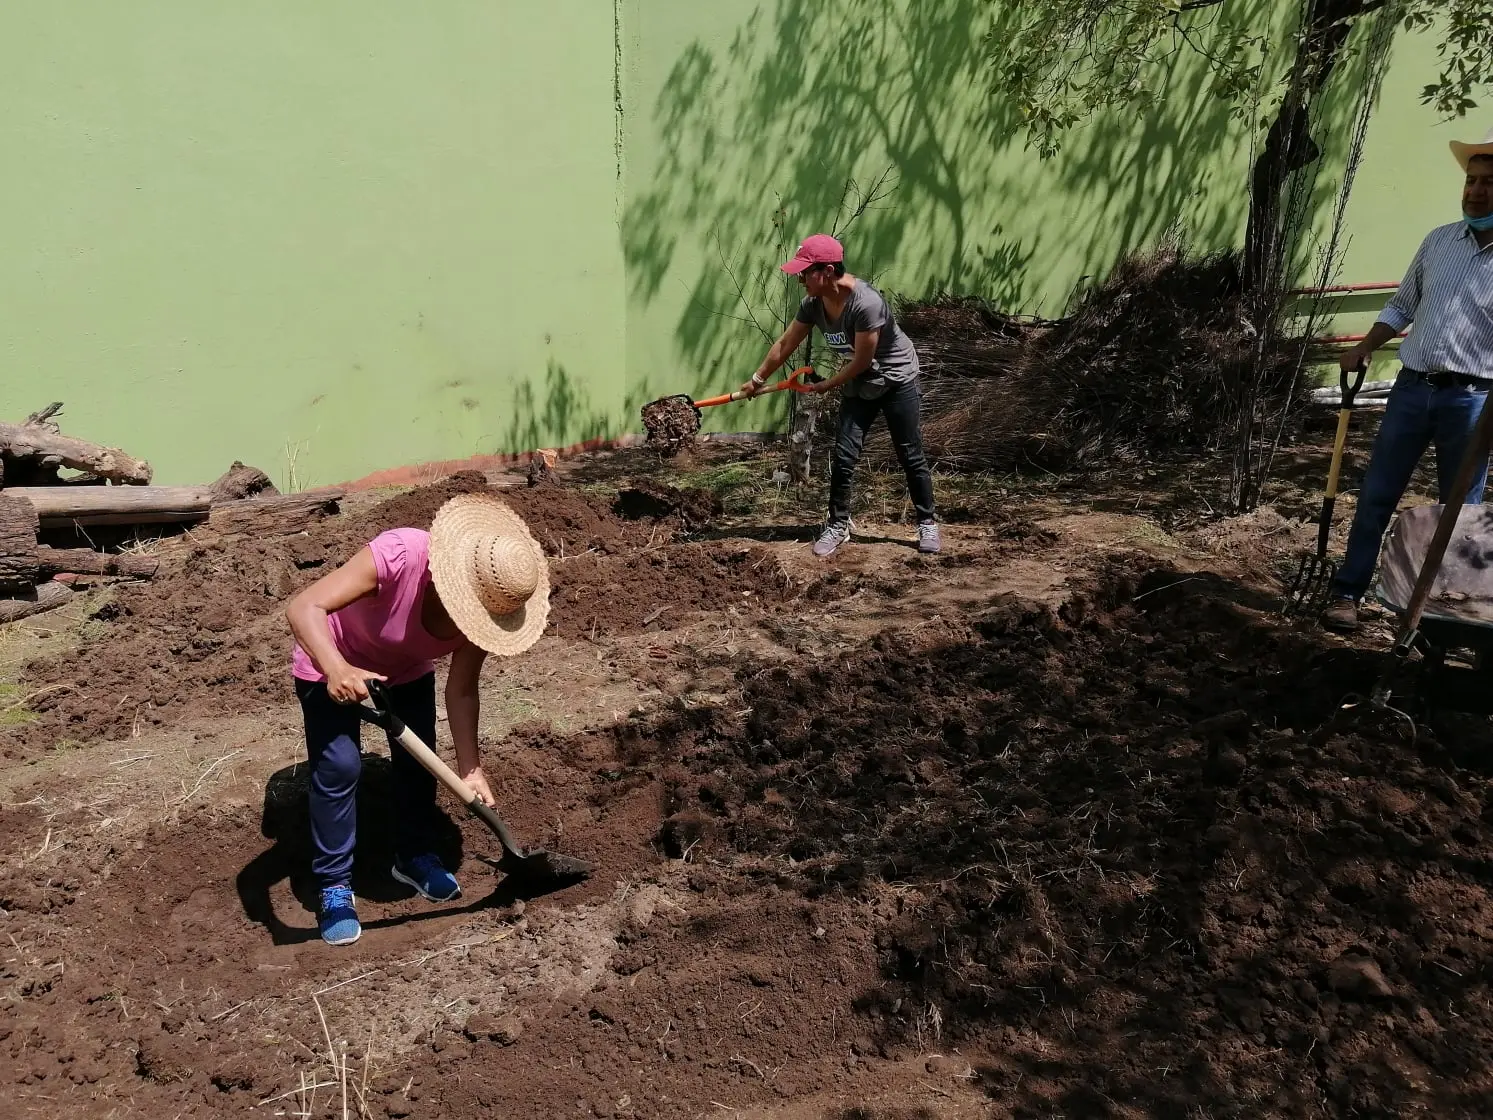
(1417, 415)
(333, 746)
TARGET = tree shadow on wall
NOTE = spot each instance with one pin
(562, 412)
(758, 138)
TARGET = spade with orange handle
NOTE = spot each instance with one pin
(798, 381)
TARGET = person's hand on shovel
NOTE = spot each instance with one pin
(478, 781)
(347, 684)
(751, 387)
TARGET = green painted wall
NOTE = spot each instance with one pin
(347, 236)
(1407, 184)
(355, 232)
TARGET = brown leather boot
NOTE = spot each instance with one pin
(1341, 616)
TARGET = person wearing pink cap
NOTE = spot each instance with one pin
(879, 373)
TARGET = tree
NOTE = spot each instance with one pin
(1063, 60)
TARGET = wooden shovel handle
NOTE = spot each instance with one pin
(381, 713)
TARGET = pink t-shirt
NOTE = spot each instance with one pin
(382, 632)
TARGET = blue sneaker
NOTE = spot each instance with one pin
(338, 920)
(427, 876)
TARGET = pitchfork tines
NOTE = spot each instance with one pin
(1314, 575)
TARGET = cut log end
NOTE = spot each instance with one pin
(241, 482)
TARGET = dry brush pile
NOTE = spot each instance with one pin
(1159, 359)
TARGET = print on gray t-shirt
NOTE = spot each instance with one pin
(895, 361)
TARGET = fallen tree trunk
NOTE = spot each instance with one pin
(61, 506)
(28, 441)
(279, 516)
(43, 598)
(86, 562)
(18, 528)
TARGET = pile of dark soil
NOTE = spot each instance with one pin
(1154, 362)
(208, 633)
(1122, 842)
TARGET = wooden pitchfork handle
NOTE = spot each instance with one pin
(799, 381)
(1349, 392)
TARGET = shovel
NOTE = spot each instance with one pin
(1315, 572)
(655, 413)
(538, 864)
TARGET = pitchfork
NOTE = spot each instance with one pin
(1315, 572)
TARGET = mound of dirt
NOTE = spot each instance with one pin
(1148, 363)
(1114, 831)
(208, 633)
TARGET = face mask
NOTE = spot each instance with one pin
(1481, 225)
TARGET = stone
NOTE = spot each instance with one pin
(505, 1030)
(1358, 977)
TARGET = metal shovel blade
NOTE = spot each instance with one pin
(538, 864)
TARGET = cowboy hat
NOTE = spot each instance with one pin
(1465, 152)
(490, 573)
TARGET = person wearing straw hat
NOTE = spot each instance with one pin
(1447, 362)
(475, 584)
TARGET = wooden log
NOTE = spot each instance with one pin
(242, 482)
(61, 506)
(85, 561)
(43, 597)
(18, 528)
(35, 441)
(279, 516)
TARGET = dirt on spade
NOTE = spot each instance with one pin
(672, 424)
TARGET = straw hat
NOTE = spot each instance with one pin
(490, 573)
(1465, 152)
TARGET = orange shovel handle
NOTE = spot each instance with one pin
(793, 381)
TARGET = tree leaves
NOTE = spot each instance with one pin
(1061, 61)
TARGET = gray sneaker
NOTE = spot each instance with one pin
(835, 534)
(928, 537)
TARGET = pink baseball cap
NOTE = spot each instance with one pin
(818, 249)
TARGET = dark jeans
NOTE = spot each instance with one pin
(1417, 415)
(333, 745)
(902, 406)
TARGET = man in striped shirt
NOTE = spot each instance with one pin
(1448, 370)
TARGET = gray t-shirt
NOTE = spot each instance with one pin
(895, 362)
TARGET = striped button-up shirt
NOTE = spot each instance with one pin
(1448, 295)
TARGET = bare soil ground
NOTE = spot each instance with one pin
(1063, 822)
